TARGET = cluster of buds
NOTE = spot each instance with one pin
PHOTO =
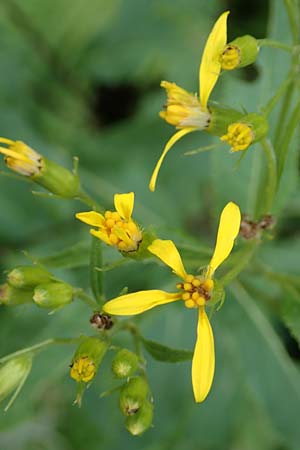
(34, 284)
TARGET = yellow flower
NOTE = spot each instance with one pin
(116, 228)
(239, 136)
(194, 290)
(21, 158)
(184, 110)
(83, 369)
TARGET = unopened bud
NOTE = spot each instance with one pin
(10, 296)
(141, 421)
(124, 363)
(28, 276)
(53, 295)
(13, 373)
(239, 53)
(133, 395)
(87, 359)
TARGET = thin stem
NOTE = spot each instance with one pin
(79, 293)
(292, 15)
(276, 44)
(277, 96)
(283, 114)
(284, 144)
(85, 198)
(241, 262)
(271, 184)
(39, 346)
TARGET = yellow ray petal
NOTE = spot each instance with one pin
(91, 218)
(203, 365)
(168, 147)
(168, 253)
(101, 235)
(229, 227)
(124, 204)
(210, 66)
(138, 302)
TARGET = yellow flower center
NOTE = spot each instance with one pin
(196, 291)
(230, 57)
(21, 158)
(239, 136)
(123, 234)
(183, 109)
(83, 369)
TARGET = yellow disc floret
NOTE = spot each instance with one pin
(239, 136)
(20, 157)
(121, 233)
(196, 290)
(83, 369)
(230, 58)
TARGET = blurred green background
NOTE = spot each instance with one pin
(82, 78)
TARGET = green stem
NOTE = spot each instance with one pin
(276, 44)
(277, 96)
(85, 198)
(271, 184)
(39, 346)
(283, 114)
(79, 293)
(292, 15)
(284, 144)
(96, 276)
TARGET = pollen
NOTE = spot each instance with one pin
(239, 136)
(196, 290)
(230, 58)
(83, 369)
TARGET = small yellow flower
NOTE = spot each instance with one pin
(185, 111)
(116, 228)
(21, 158)
(239, 136)
(83, 369)
(194, 290)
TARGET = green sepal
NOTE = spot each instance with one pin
(258, 123)
(248, 49)
(138, 423)
(124, 363)
(11, 296)
(133, 394)
(57, 179)
(166, 354)
(53, 295)
(221, 118)
(24, 277)
(92, 347)
(13, 374)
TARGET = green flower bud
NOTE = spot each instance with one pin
(11, 296)
(141, 421)
(87, 359)
(13, 373)
(239, 53)
(53, 295)
(249, 129)
(124, 363)
(133, 394)
(221, 117)
(57, 179)
(28, 276)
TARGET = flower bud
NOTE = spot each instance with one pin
(221, 118)
(248, 130)
(133, 395)
(28, 276)
(53, 295)
(24, 160)
(13, 374)
(141, 421)
(87, 359)
(124, 363)
(239, 53)
(10, 296)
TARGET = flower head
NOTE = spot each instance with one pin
(186, 111)
(194, 290)
(116, 228)
(21, 158)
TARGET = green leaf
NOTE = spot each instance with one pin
(166, 354)
(70, 257)
(290, 311)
